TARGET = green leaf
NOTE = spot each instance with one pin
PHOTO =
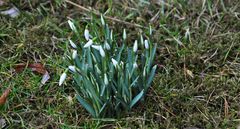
(120, 53)
(151, 76)
(134, 82)
(136, 99)
(86, 106)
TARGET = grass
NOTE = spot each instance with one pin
(197, 83)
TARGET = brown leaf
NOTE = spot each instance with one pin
(4, 96)
(20, 67)
(35, 67)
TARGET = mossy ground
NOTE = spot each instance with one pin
(198, 78)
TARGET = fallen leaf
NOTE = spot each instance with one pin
(35, 67)
(4, 96)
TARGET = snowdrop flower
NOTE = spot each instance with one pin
(135, 65)
(97, 47)
(74, 54)
(115, 63)
(102, 53)
(62, 78)
(72, 26)
(135, 46)
(72, 44)
(146, 44)
(107, 46)
(105, 79)
(124, 34)
(142, 42)
(86, 34)
(102, 20)
(88, 44)
(72, 68)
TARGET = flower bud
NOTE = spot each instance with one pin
(74, 54)
(115, 63)
(72, 26)
(88, 44)
(102, 53)
(62, 78)
(86, 34)
(73, 45)
(72, 68)
(146, 44)
(135, 46)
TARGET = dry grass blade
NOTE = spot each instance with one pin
(107, 17)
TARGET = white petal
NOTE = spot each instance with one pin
(105, 79)
(102, 20)
(102, 53)
(142, 42)
(124, 34)
(72, 68)
(88, 44)
(107, 46)
(74, 54)
(115, 63)
(135, 46)
(62, 78)
(135, 65)
(146, 44)
(86, 34)
(72, 44)
(72, 26)
(97, 47)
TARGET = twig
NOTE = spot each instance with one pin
(107, 17)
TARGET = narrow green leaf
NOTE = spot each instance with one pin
(136, 99)
(86, 106)
(151, 76)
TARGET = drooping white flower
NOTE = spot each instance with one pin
(102, 53)
(135, 46)
(107, 46)
(102, 20)
(72, 26)
(135, 65)
(86, 34)
(115, 63)
(124, 34)
(141, 38)
(74, 54)
(88, 44)
(62, 78)
(72, 68)
(97, 47)
(105, 79)
(146, 44)
(73, 45)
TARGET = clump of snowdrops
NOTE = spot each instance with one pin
(110, 76)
